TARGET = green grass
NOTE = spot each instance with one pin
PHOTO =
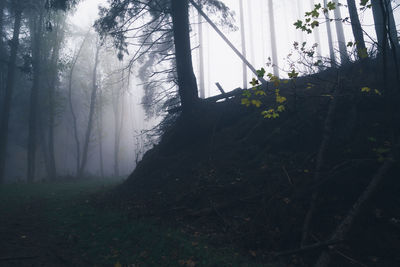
(105, 237)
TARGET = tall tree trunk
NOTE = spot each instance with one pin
(71, 106)
(251, 31)
(117, 123)
(99, 119)
(344, 58)
(356, 27)
(36, 35)
(91, 114)
(391, 24)
(380, 25)
(2, 52)
(273, 37)
(58, 31)
(8, 92)
(187, 84)
(44, 148)
(201, 56)
(243, 42)
(330, 39)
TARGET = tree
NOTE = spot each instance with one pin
(99, 120)
(340, 34)
(57, 38)
(157, 34)
(243, 42)
(187, 84)
(273, 37)
(201, 55)
(36, 32)
(89, 126)
(385, 25)
(356, 27)
(329, 33)
(6, 107)
(2, 48)
(317, 35)
(71, 106)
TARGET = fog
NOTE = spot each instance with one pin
(124, 117)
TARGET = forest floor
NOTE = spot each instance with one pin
(58, 224)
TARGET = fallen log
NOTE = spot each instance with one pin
(212, 99)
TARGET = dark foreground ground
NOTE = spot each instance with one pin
(57, 224)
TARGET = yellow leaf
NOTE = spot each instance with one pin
(280, 99)
(246, 102)
(256, 103)
(365, 89)
(377, 92)
(117, 264)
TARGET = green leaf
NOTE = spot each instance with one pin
(261, 72)
(331, 5)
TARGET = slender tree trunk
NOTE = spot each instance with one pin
(330, 39)
(201, 56)
(392, 25)
(2, 6)
(344, 58)
(6, 107)
(52, 89)
(91, 115)
(187, 84)
(117, 121)
(243, 42)
(356, 27)
(273, 37)
(379, 23)
(36, 35)
(42, 142)
(71, 106)
(316, 33)
(2, 53)
(99, 118)
(251, 31)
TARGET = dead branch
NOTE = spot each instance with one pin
(212, 99)
(344, 227)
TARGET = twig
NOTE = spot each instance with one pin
(287, 174)
(220, 88)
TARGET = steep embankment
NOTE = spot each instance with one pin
(238, 178)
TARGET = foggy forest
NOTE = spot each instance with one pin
(200, 133)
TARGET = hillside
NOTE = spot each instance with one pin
(229, 174)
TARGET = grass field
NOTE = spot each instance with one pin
(56, 224)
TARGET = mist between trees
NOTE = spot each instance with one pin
(88, 101)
